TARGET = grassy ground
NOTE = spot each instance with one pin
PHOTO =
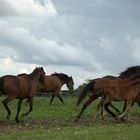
(56, 123)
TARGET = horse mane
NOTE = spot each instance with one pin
(110, 77)
(22, 74)
(34, 72)
(61, 76)
(130, 72)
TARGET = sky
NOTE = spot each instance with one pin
(84, 39)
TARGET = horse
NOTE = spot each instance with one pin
(21, 87)
(119, 90)
(129, 73)
(111, 90)
(54, 82)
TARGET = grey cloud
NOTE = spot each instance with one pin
(6, 9)
(75, 36)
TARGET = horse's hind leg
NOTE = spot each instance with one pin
(30, 107)
(106, 106)
(18, 110)
(98, 108)
(60, 98)
(116, 109)
(5, 103)
(52, 98)
(127, 108)
(86, 104)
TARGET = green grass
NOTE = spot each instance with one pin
(56, 123)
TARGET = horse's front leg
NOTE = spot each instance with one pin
(30, 100)
(18, 110)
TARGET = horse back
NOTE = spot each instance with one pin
(15, 86)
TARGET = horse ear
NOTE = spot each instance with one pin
(70, 77)
(41, 68)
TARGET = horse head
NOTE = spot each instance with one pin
(70, 84)
(41, 77)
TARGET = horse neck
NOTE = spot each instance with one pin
(136, 78)
(62, 82)
(63, 78)
(34, 76)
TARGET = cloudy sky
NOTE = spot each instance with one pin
(82, 38)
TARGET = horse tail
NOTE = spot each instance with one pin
(89, 87)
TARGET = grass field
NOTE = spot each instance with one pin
(56, 123)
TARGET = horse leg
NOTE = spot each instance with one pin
(5, 103)
(124, 107)
(60, 98)
(86, 104)
(99, 106)
(30, 107)
(52, 98)
(57, 93)
(127, 108)
(106, 106)
(18, 109)
(111, 105)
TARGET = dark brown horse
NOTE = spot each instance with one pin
(54, 82)
(21, 87)
(129, 73)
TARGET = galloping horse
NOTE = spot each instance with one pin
(21, 87)
(130, 73)
(54, 82)
(119, 90)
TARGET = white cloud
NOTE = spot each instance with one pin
(9, 67)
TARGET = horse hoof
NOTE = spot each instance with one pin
(94, 118)
(123, 120)
(8, 117)
(76, 120)
(120, 119)
(17, 121)
(23, 114)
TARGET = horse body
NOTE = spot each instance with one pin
(54, 82)
(119, 86)
(21, 87)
